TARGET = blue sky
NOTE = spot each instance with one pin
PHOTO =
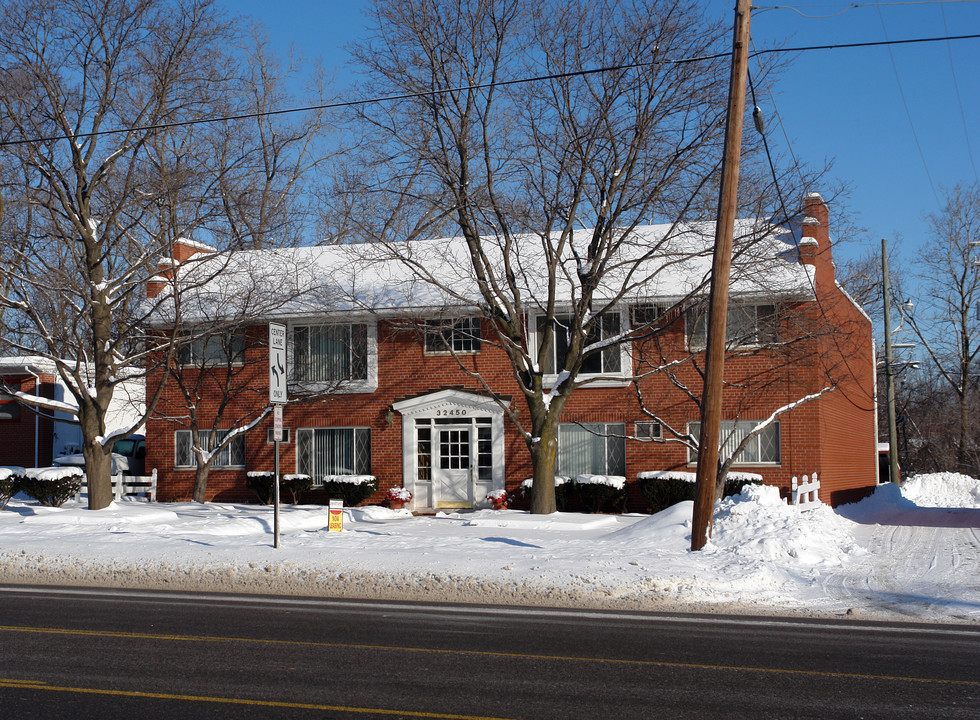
(891, 119)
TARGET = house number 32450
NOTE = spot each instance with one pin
(451, 411)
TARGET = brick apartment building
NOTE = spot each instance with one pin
(426, 410)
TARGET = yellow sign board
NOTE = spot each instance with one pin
(336, 523)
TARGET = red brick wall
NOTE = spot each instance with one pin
(17, 436)
(757, 385)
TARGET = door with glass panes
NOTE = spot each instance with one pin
(461, 462)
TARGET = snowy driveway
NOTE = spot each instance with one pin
(921, 563)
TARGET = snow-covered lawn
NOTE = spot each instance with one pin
(912, 553)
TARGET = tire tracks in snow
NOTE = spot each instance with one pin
(912, 571)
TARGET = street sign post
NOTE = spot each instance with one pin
(277, 397)
(277, 363)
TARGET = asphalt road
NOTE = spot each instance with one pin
(119, 654)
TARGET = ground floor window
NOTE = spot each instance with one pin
(231, 455)
(761, 449)
(321, 452)
(592, 449)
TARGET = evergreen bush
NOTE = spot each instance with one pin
(562, 487)
(52, 487)
(10, 484)
(601, 496)
(671, 488)
(260, 482)
(297, 485)
(352, 489)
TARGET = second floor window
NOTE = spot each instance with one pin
(605, 360)
(329, 353)
(460, 335)
(214, 350)
(746, 325)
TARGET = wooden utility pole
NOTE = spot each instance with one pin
(711, 400)
(893, 470)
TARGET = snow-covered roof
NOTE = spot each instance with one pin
(656, 263)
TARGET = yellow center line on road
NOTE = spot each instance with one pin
(34, 685)
(479, 653)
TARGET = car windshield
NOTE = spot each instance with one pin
(124, 447)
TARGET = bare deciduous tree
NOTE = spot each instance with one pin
(946, 317)
(107, 167)
(546, 180)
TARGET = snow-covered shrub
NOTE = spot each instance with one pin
(297, 484)
(260, 482)
(353, 489)
(562, 487)
(661, 489)
(600, 493)
(52, 486)
(10, 480)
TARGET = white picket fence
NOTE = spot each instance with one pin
(129, 486)
(805, 495)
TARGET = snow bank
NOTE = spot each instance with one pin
(764, 556)
(947, 490)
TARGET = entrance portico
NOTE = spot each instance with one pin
(452, 448)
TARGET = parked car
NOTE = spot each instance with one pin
(128, 457)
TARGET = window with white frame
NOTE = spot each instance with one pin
(231, 455)
(459, 335)
(608, 360)
(591, 449)
(329, 353)
(322, 452)
(746, 325)
(213, 350)
(763, 449)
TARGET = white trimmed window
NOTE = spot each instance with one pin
(341, 357)
(214, 350)
(763, 449)
(746, 325)
(607, 361)
(322, 452)
(591, 449)
(232, 455)
(460, 335)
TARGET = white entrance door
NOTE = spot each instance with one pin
(452, 466)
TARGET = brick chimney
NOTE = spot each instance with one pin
(814, 247)
(181, 251)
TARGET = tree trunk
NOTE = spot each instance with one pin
(201, 482)
(544, 457)
(98, 471)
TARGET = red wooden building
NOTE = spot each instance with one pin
(412, 406)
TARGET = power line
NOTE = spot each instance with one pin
(908, 113)
(476, 86)
(959, 99)
(854, 6)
